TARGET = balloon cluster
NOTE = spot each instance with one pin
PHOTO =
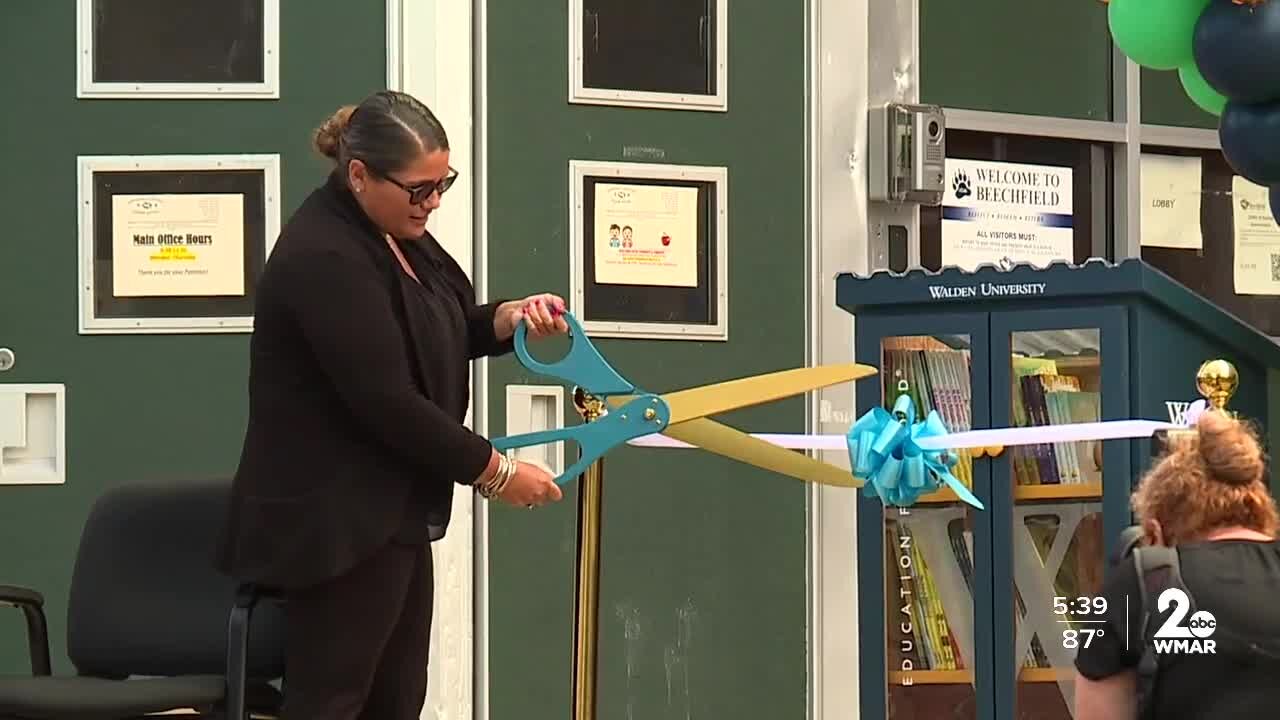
(1227, 55)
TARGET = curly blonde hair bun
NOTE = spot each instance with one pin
(1207, 480)
(1230, 452)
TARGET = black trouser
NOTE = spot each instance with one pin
(357, 645)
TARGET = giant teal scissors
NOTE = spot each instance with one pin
(682, 415)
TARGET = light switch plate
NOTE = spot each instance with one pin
(33, 434)
(533, 408)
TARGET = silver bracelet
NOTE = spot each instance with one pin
(484, 485)
(506, 471)
(496, 483)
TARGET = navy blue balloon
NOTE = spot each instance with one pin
(1250, 137)
(1237, 50)
(1275, 202)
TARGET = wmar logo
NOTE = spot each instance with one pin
(1193, 638)
(961, 185)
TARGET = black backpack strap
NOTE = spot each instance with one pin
(1158, 569)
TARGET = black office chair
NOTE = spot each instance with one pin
(151, 626)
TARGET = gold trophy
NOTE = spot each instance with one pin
(1217, 381)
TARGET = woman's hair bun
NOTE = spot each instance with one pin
(328, 137)
(1230, 450)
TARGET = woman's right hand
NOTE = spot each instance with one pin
(530, 486)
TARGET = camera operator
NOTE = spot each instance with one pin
(1207, 498)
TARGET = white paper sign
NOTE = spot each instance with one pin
(646, 235)
(1171, 201)
(179, 245)
(999, 212)
(1257, 239)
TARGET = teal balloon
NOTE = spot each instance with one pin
(1199, 90)
(1155, 33)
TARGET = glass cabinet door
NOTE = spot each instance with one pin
(1052, 368)
(926, 555)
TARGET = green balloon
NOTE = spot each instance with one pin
(1155, 33)
(1209, 100)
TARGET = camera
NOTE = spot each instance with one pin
(908, 153)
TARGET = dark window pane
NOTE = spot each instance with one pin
(1210, 271)
(665, 46)
(1164, 102)
(178, 41)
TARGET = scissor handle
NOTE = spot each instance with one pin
(643, 415)
(583, 365)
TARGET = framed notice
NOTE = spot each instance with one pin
(178, 48)
(174, 244)
(1004, 213)
(648, 250)
(663, 54)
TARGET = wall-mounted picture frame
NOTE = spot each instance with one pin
(174, 243)
(648, 250)
(178, 49)
(671, 54)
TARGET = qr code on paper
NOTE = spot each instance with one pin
(1275, 267)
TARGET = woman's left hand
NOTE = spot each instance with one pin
(542, 312)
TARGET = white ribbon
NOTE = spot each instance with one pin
(1004, 437)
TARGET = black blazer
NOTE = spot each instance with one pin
(357, 394)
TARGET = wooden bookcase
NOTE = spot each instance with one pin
(956, 605)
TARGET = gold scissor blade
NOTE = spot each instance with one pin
(711, 400)
(736, 445)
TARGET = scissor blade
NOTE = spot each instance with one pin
(710, 400)
(736, 445)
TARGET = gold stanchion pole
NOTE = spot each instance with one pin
(587, 595)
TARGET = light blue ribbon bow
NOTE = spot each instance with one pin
(883, 451)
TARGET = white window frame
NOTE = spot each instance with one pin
(718, 177)
(581, 94)
(89, 165)
(268, 89)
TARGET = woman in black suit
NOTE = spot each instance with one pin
(358, 387)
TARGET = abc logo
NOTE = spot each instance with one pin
(1180, 633)
(1202, 624)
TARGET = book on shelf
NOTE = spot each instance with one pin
(1042, 395)
(920, 635)
(937, 378)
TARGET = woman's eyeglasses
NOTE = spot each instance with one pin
(419, 193)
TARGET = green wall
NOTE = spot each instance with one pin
(142, 406)
(702, 608)
(1038, 58)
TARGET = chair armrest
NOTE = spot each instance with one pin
(247, 597)
(31, 603)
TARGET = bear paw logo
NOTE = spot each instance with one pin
(960, 184)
